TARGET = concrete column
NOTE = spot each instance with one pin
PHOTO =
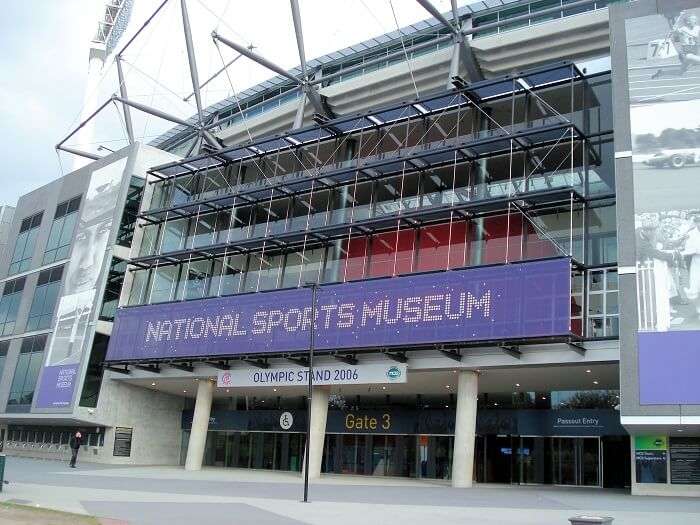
(465, 429)
(319, 414)
(200, 425)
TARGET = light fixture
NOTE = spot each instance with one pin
(383, 388)
(274, 390)
(227, 390)
(262, 400)
(595, 382)
(196, 379)
(184, 391)
(153, 384)
(447, 406)
(679, 430)
(544, 398)
(517, 384)
(447, 386)
(588, 370)
(495, 404)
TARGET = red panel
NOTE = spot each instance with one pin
(383, 257)
(433, 247)
(356, 250)
(502, 237)
(440, 242)
(536, 246)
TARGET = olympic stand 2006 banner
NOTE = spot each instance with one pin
(496, 302)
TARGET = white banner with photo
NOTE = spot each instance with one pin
(76, 307)
(664, 85)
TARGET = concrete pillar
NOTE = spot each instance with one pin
(465, 429)
(319, 414)
(200, 425)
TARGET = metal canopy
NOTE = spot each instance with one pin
(408, 160)
(479, 91)
(324, 234)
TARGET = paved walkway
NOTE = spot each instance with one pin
(158, 495)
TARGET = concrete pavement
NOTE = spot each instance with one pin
(157, 495)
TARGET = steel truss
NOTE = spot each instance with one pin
(469, 149)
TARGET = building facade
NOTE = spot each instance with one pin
(455, 240)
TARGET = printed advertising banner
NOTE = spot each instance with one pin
(76, 306)
(663, 57)
(520, 300)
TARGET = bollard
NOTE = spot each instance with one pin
(591, 520)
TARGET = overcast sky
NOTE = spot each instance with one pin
(44, 46)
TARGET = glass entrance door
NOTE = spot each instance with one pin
(576, 461)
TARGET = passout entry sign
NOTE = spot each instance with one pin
(323, 375)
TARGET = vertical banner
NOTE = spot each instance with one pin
(663, 54)
(76, 309)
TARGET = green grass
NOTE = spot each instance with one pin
(35, 513)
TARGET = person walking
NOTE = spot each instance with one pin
(75, 441)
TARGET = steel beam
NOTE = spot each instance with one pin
(213, 76)
(437, 15)
(191, 59)
(256, 58)
(155, 112)
(78, 152)
(82, 124)
(296, 18)
(122, 91)
(145, 24)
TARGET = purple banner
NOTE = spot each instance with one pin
(57, 385)
(519, 300)
(668, 368)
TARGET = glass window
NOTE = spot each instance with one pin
(125, 234)
(603, 312)
(61, 234)
(24, 245)
(163, 283)
(4, 349)
(139, 287)
(44, 301)
(29, 362)
(9, 304)
(113, 288)
(194, 283)
(227, 281)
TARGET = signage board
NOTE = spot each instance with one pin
(323, 375)
(122, 441)
(434, 421)
(685, 460)
(650, 453)
(520, 300)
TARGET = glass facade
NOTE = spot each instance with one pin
(44, 300)
(61, 234)
(4, 348)
(401, 246)
(9, 305)
(24, 245)
(29, 362)
(532, 9)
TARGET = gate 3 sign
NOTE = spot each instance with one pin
(323, 375)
